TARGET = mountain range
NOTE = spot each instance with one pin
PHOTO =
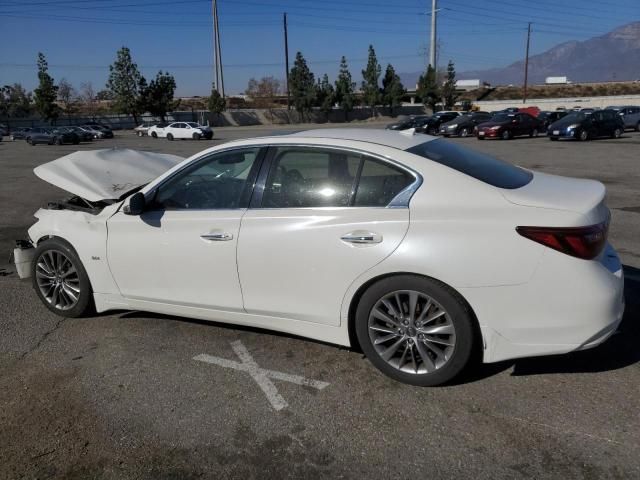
(614, 56)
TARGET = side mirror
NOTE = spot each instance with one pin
(137, 204)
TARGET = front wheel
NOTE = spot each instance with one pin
(154, 134)
(506, 135)
(415, 330)
(196, 136)
(583, 136)
(169, 137)
(464, 132)
(617, 133)
(60, 280)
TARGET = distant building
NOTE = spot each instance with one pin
(556, 80)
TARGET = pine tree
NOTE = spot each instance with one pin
(325, 95)
(157, 98)
(302, 86)
(449, 93)
(371, 75)
(46, 94)
(392, 89)
(124, 84)
(216, 103)
(344, 88)
(428, 89)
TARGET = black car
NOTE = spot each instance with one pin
(583, 126)
(51, 136)
(19, 133)
(106, 131)
(432, 125)
(547, 118)
(83, 135)
(416, 122)
(464, 124)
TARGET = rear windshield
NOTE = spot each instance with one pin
(478, 165)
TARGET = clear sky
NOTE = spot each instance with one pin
(80, 37)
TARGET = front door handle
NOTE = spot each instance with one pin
(218, 237)
(361, 236)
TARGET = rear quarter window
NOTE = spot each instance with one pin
(478, 165)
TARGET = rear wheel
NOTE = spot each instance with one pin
(140, 134)
(169, 137)
(534, 133)
(60, 280)
(464, 132)
(415, 330)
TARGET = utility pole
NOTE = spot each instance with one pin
(216, 77)
(526, 65)
(219, 51)
(432, 49)
(286, 60)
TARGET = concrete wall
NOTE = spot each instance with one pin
(568, 103)
(239, 117)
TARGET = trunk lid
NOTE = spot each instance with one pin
(107, 174)
(586, 197)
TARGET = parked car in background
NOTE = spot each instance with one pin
(509, 125)
(143, 129)
(96, 134)
(4, 130)
(415, 121)
(630, 116)
(533, 111)
(409, 259)
(19, 133)
(547, 118)
(51, 136)
(582, 126)
(432, 125)
(106, 131)
(84, 135)
(181, 130)
(464, 125)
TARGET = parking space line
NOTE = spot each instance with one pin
(261, 376)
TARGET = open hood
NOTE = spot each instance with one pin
(105, 174)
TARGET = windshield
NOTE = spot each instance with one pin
(502, 117)
(478, 165)
(575, 117)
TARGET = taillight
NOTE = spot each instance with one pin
(581, 242)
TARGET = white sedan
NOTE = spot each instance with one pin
(180, 130)
(415, 249)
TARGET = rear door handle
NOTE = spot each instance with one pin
(217, 237)
(361, 236)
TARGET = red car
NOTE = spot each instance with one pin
(509, 125)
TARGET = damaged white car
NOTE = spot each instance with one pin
(416, 249)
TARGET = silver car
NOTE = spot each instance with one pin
(630, 115)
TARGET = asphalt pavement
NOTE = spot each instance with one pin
(137, 395)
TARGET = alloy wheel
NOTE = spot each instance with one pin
(58, 280)
(411, 332)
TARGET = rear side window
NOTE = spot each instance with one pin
(478, 165)
(380, 183)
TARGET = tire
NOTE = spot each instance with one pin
(432, 131)
(455, 326)
(583, 136)
(617, 133)
(196, 136)
(57, 141)
(53, 259)
(506, 135)
(464, 133)
(154, 134)
(170, 137)
(534, 133)
(30, 142)
(140, 134)
(638, 127)
(553, 139)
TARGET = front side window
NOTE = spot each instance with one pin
(217, 182)
(313, 177)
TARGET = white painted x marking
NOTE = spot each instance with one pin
(262, 376)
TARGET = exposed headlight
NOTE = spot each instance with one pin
(451, 127)
(497, 127)
(571, 127)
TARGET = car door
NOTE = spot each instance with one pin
(182, 249)
(322, 220)
(598, 124)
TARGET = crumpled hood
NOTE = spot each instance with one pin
(105, 174)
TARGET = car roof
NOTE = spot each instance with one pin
(390, 138)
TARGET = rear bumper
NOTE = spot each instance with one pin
(569, 304)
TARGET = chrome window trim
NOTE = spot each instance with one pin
(401, 200)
